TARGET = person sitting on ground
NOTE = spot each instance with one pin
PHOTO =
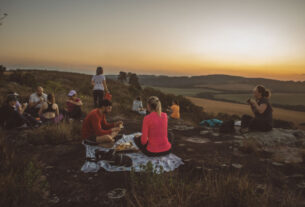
(73, 105)
(49, 111)
(35, 102)
(9, 117)
(138, 106)
(19, 107)
(261, 109)
(174, 110)
(154, 140)
(96, 129)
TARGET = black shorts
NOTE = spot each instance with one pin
(143, 149)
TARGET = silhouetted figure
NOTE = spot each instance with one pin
(261, 109)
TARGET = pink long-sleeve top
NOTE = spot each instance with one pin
(154, 132)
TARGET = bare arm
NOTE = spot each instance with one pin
(77, 103)
(23, 108)
(33, 104)
(41, 109)
(260, 108)
(105, 86)
(57, 111)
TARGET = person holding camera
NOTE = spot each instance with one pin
(261, 109)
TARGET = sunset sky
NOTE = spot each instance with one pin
(259, 38)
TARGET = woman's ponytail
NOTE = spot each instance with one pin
(159, 108)
(266, 93)
(155, 104)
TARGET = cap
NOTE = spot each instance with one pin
(72, 93)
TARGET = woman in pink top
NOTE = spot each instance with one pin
(154, 139)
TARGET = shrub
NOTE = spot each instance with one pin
(54, 133)
(217, 189)
(22, 182)
(26, 79)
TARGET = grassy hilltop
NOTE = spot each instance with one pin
(41, 167)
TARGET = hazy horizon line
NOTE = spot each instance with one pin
(86, 72)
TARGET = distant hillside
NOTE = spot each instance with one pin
(222, 82)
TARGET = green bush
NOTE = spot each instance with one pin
(217, 189)
(21, 181)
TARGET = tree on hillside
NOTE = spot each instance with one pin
(2, 17)
(122, 77)
(134, 81)
(2, 70)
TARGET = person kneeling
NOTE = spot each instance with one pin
(97, 130)
(154, 140)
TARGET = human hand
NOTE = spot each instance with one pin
(119, 124)
(116, 129)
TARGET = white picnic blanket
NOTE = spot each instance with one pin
(167, 163)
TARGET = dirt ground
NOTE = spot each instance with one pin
(71, 187)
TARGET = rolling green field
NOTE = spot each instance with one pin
(184, 92)
(276, 98)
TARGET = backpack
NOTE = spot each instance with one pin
(227, 127)
(108, 96)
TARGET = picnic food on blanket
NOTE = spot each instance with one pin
(125, 146)
(112, 158)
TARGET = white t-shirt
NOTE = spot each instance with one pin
(98, 82)
(34, 98)
(137, 105)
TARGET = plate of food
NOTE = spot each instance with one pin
(126, 147)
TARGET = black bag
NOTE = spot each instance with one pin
(245, 121)
(113, 158)
(227, 127)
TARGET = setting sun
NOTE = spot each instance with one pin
(158, 37)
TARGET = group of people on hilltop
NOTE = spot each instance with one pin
(173, 111)
(154, 140)
(41, 108)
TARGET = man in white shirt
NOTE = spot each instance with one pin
(36, 100)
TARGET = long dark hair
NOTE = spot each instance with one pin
(99, 70)
(266, 93)
(51, 98)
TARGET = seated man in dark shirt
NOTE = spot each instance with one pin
(262, 111)
(9, 117)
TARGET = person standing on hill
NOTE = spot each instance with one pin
(96, 129)
(99, 86)
(35, 102)
(261, 109)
